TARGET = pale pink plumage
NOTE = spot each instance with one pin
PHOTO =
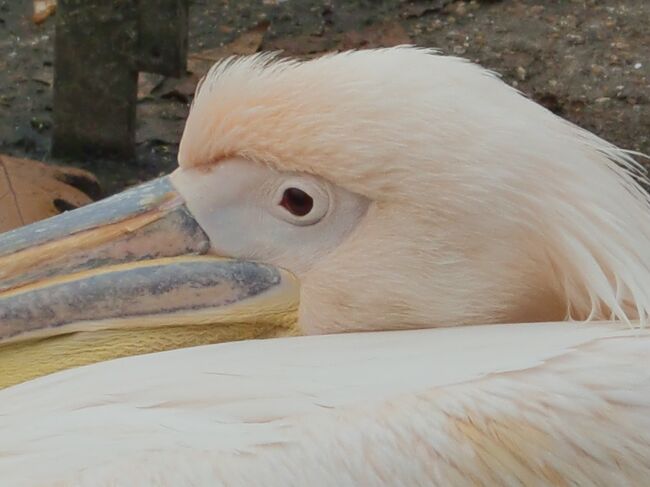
(489, 208)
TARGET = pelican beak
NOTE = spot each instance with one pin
(128, 275)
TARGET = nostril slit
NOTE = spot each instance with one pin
(63, 205)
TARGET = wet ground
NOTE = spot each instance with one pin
(588, 61)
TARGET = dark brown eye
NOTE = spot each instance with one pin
(297, 202)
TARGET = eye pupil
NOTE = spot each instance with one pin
(297, 202)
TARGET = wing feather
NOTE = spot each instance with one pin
(494, 405)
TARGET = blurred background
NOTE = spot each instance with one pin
(586, 60)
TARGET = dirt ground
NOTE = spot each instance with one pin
(586, 60)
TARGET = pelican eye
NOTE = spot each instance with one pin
(302, 201)
(297, 202)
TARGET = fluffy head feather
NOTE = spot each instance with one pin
(486, 206)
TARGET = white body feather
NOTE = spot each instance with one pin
(534, 404)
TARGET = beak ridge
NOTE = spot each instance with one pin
(147, 222)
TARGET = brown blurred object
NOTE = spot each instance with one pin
(43, 9)
(199, 63)
(31, 191)
(382, 34)
(248, 42)
(385, 34)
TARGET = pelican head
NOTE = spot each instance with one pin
(400, 189)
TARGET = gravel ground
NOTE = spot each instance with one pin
(587, 60)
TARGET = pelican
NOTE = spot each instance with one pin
(489, 261)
